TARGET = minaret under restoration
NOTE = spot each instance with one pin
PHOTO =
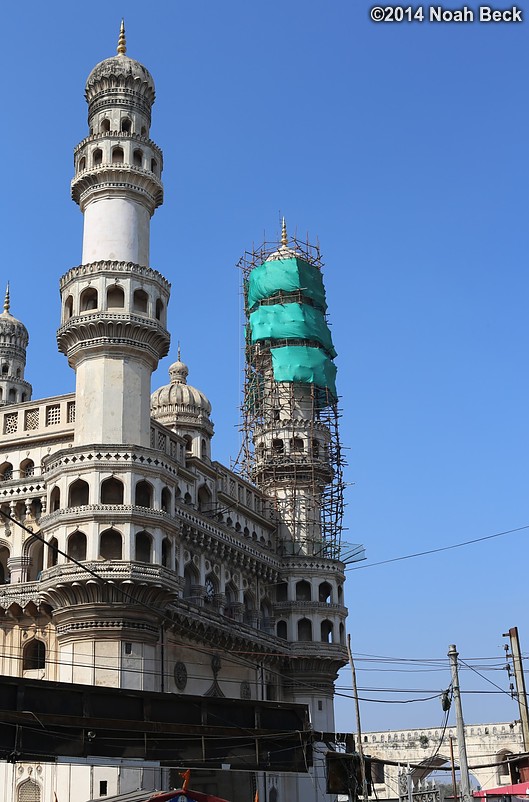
(114, 306)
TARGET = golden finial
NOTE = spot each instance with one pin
(284, 235)
(122, 42)
(6, 299)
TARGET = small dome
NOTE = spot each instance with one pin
(121, 69)
(179, 404)
(11, 327)
(283, 252)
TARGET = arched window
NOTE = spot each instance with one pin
(303, 591)
(33, 655)
(55, 499)
(6, 472)
(76, 546)
(278, 446)
(143, 547)
(138, 158)
(105, 126)
(167, 550)
(27, 468)
(282, 630)
(35, 553)
(53, 546)
(140, 301)
(117, 156)
(190, 579)
(296, 445)
(326, 631)
(68, 308)
(342, 634)
(28, 791)
(19, 373)
(110, 545)
(143, 494)
(4, 570)
(304, 629)
(97, 157)
(112, 491)
(204, 499)
(159, 309)
(203, 449)
(166, 499)
(12, 396)
(187, 498)
(115, 297)
(189, 443)
(325, 592)
(88, 299)
(5, 369)
(78, 493)
(504, 772)
(154, 166)
(82, 163)
(143, 131)
(126, 125)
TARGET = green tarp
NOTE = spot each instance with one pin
(287, 275)
(290, 322)
(301, 363)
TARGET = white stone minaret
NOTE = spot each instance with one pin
(14, 389)
(114, 305)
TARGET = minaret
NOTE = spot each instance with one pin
(114, 304)
(13, 343)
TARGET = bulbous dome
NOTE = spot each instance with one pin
(179, 404)
(12, 331)
(120, 70)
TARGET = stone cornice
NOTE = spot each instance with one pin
(109, 456)
(103, 135)
(110, 179)
(282, 608)
(110, 268)
(103, 330)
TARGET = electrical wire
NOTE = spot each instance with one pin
(436, 551)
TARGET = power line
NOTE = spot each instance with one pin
(436, 551)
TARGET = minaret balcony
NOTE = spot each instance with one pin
(125, 135)
(114, 180)
(103, 330)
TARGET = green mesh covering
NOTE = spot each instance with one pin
(290, 322)
(287, 275)
(301, 363)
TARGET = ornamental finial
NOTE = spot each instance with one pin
(178, 352)
(122, 42)
(6, 299)
(284, 235)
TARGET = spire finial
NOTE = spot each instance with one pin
(122, 42)
(284, 235)
(6, 299)
(178, 352)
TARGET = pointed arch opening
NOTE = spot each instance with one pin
(143, 494)
(115, 297)
(140, 301)
(88, 300)
(143, 547)
(78, 493)
(111, 545)
(326, 631)
(118, 156)
(112, 491)
(304, 629)
(204, 499)
(303, 591)
(76, 546)
(4, 570)
(53, 552)
(55, 499)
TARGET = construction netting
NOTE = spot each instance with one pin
(290, 322)
(286, 275)
(301, 363)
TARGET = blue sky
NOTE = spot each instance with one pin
(403, 148)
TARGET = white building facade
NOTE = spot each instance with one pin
(124, 483)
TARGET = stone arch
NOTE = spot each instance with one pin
(88, 300)
(140, 302)
(53, 552)
(166, 499)
(34, 655)
(82, 164)
(97, 157)
(55, 499)
(304, 629)
(303, 591)
(126, 125)
(204, 499)
(325, 592)
(326, 631)
(503, 770)
(137, 158)
(105, 125)
(167, 551)
(281, 628)
(76, 546)
(143, 547)
(115, 297)
(190, 579)
(35, 551)
(68, 307)
(27, 468)
(143, 494)
(5, 553)
(159, 309)
(28, 791)
(118, 155)
(189, 443)
(112, 491)
(78, 493)
(6, 472)
(111, 545)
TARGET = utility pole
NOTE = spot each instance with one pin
(460, 726)
(358, 727)
(520, 683)
(454, 786)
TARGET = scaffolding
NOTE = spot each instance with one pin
(290, 437)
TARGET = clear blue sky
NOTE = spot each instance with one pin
(404, 149)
